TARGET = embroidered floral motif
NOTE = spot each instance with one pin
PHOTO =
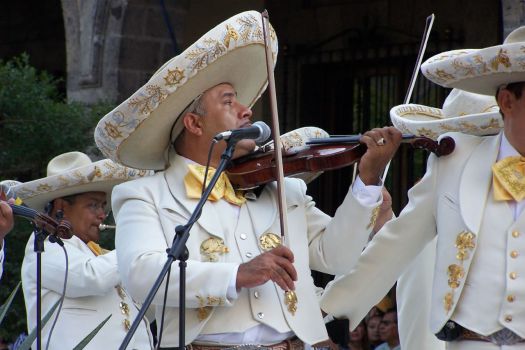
(104, 170)
(448, 301)
(373, 218)
(212, 247)
(147, 103)
(112, 130)
(174, 76)
(204, 312)
(455, 273)
(428, 133)
(501, 58)
(230, 34)
(250, 28)
(206, 305)
(464, 242)
(202, 55)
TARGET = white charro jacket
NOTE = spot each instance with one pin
(91, 296)
(451, 201)
(148, 210)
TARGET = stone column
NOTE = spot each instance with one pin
(513, 13)
(93, 29)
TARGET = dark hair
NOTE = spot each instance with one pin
(50, 205)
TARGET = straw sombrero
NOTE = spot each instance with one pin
(137, 133)
(462, 111)
(480, 71)
(72, 173)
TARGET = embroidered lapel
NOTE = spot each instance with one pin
(476, 181)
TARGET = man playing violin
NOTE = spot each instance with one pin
(77, 190)
(238, 269)
(472, 201)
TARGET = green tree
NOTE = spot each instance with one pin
(36, 124)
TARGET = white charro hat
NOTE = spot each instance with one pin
(137, 133)
(462, 111)
(480, 71)
(73, 173)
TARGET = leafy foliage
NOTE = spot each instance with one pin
(36, 124)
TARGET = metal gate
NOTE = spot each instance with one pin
(349, 91)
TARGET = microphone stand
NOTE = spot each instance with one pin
(40, 237)
(178, 251)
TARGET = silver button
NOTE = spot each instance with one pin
(249, 255)
(260, 315)
(256, 295)
(243, 236)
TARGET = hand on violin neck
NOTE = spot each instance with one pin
(275, 265)
(382, 144)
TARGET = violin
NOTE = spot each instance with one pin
(42, 221)
(322, 154)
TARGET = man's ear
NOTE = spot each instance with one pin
(193, 123)
(506, 100)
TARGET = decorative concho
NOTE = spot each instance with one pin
(464, 242)
(291, 301)
(269, 240)
(212, 247)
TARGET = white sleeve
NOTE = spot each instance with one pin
(367, 195)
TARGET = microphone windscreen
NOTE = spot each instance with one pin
(265, 132)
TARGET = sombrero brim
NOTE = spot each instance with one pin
(99, 176)
(480, 71)
(431, 122)
(137, 133)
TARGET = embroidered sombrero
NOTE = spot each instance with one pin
(137, 133)
(72, 173)
(462, 111)
(480, 71)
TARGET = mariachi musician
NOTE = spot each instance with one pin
(237, 268)
(472, 201)
(78, 190)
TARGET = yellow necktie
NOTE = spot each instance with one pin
(508, 179)
(96, 249)
(223, 188)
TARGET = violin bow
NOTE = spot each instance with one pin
(290, 296)
(422, 48)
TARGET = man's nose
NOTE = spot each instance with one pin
(245, 112)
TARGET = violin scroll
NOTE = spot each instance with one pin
(443, 147)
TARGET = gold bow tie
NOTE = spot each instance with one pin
(508, 179)
(96, 249)
(223, 188)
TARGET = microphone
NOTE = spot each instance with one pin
(259, 132)
(103, 227)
